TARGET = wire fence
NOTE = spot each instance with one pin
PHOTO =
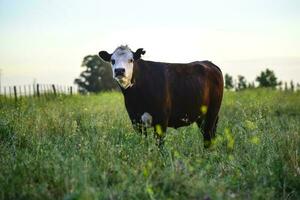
(35, 90)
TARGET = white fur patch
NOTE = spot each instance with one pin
(124, 82)
(123, 59)
(147, 119)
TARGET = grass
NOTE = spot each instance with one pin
(83, 147)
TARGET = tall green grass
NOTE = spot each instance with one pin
(83, 147)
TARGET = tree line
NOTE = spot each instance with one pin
(266, 79)
(97, 77)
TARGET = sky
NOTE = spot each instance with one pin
(46, 40)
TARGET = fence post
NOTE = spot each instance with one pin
(29, 90)
(71, 91)
(5, 92)
(25, 92)
(54, 90)
(15, 92)
(38, 90)
(33, 90)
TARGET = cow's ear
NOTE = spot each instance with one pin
(137, 55)
(105, 56)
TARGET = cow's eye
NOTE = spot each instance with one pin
(113, 61)
(130, 60)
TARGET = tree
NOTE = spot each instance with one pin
(242, 83)
(280, 86)
(96, 77)
(267, 79)
(228, 82)
(292, 86)
(251, 85)
(285, 86)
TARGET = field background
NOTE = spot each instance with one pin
(83, 147)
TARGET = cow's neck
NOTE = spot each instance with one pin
(134, 84)
(140, 85)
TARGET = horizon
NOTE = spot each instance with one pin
(47, 41)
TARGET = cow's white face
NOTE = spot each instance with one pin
(122, 66)
(122, 60)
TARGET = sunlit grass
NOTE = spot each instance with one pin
(83, 147)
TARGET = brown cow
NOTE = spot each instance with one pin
(164, 95)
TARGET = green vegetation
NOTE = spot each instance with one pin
(228, 82)
(242, 83)
(267, 79)
(83, 147)
(96, 77)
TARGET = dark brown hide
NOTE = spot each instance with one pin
(176, 95)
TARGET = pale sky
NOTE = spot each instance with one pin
(46, 40)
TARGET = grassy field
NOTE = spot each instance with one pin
(83, 147)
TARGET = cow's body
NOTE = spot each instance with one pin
(175, 95)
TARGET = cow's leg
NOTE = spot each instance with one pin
(200, 124)
(209, 127)
(160, 127)
(159, 133)
(140, 128)
(215, 126)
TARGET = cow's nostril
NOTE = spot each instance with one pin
(119, 71)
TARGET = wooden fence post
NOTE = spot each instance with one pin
(34, 90)
(15, 92)
(54, 90)
(5, 92)
(38, 90)
(29, 90)
(71, 91)
(25, 92)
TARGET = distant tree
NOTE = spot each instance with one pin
(228, 82)
(267, 79)
(242, 83)
(292, 86)
(96, 77)
(251, 85)
(285, 86)
(298, 86)
(280, 85)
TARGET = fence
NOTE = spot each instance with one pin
(35, 90)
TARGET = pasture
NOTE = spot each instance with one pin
(83, 147)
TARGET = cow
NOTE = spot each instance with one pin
(162, 95)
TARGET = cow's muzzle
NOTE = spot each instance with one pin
(119, 72)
